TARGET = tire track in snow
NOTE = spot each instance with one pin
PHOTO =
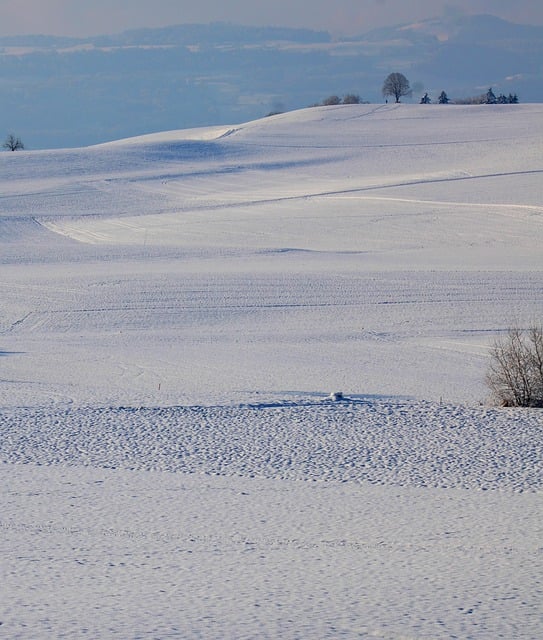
(452, 203)
(376, 187)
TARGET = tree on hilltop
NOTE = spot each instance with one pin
(13, 144)
(331, 101)
(490, 97)
(397, 85)
(351, 98)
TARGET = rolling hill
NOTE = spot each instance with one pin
(68, 92)
(176, 309)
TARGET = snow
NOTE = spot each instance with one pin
(177, 312)
(371, 440)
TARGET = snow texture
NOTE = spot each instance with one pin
(178, 311)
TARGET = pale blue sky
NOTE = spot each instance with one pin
(93, 17)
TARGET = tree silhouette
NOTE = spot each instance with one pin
(490, 97)
(13, 144)
(397, 85)
(351, 98)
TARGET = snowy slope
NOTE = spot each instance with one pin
(373, 249)
(176, 309)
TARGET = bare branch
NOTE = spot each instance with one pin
(515, 371)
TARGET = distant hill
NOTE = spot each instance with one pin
(77, 91)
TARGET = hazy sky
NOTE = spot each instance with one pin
(93, 17)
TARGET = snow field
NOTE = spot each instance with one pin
(99, 553)
(175, 310)
(163, 334)
(376, 441)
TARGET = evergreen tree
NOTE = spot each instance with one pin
(425, 99)
(490, 97)
(443, 98)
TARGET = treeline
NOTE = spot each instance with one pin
(490, 98)
(349, 98)
(401, 88)
(485, 98)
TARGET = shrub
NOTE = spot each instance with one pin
(515, 373)
(331, 100)
(351, 98)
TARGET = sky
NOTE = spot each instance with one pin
(340, 17)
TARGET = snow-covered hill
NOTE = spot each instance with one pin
(363, 248)
(155, 79)
(176, 309)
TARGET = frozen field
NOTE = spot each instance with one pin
(176, 309)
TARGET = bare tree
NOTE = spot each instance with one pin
(397, 85)
(13, 144)
(515, 373)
